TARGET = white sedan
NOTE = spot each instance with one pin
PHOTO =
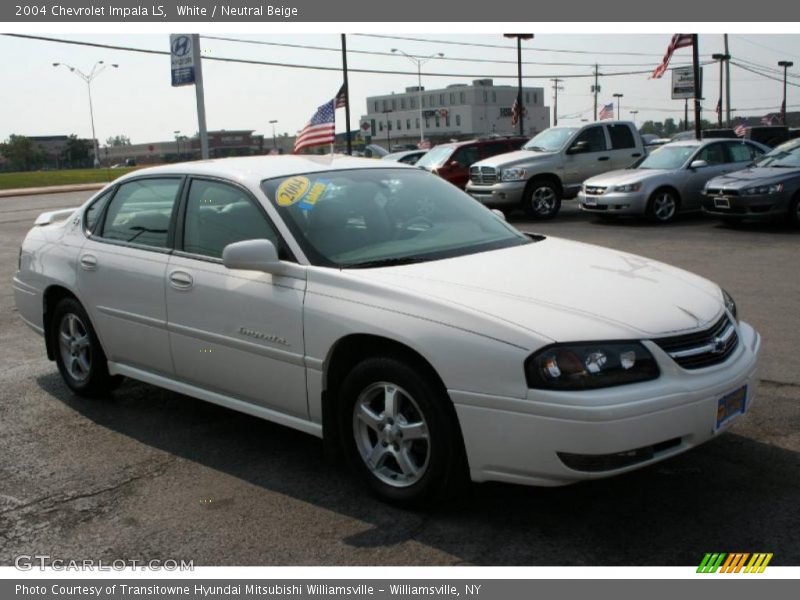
(381, 308)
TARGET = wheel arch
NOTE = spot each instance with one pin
(665, 187)
(552, 177)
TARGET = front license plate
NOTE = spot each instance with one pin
(722, 202)
(731, 406)
(590, 202)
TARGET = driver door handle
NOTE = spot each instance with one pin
(181, 280)
(603, 158)
(88, 262)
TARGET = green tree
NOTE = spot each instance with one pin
(118, 140)
(22, 153)
(76, 151)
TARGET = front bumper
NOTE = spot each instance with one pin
(614, 203)
(747, 207)
(505, 193)
(525, 440)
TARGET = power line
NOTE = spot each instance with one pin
(443, 58)
(319, 67)
(780, 79)
(749, 41)
(507, 47)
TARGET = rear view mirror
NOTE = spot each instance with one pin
(698, 164)
(578, 147)
(252, 255)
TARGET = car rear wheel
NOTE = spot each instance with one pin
(542, 199)
(400, 433)
(79, 356)
(663, 206)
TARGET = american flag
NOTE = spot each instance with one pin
(767, 120)
(320, 129)
(679, 40)
(718, 110)
(515, 112)
(341, 97)
(740, 129)
(607, 112)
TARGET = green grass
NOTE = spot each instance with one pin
(10, 181)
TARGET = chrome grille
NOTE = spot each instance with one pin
(702, 348)
(721, 192)
(483, 175)
(595, 190)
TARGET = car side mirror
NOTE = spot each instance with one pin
(454, 164)
(698, 164)
(578, 147)
(253, 255)
(499, 213)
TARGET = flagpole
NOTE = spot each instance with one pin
(346, 94)
(697, 91)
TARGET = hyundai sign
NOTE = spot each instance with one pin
(180, 48)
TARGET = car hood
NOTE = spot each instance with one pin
(625, 176)
(753, 176)
(552, 290)
(510, 159)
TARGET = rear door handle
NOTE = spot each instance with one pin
(88, 262)
(603, 158)
(181, 280)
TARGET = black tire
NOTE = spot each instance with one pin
(542, 199)
(794, 211)
(79, 356)
(663, 205)
(421, 407)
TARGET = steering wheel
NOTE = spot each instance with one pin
(418, 220)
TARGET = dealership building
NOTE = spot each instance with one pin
(459, 111)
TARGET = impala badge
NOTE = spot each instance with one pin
(275, 339)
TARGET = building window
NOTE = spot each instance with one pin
(447, 121)
(413, 102)
(527, 97)
(385, 105)
(458, 120)
(452, 98)
(441, 99)
(372, 126)
(402, 103)
(427, 123)
(417, 122)
(485, 96)
(394, 104)
(375, 104)
(408, 123)
(380, 126)
(399, 126)
(535, 98)
(422, 100)
(494, 96)
(437, 121)
(462, 97)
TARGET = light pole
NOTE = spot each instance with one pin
(88, 79)
(520, 37)
(634, 113)
(618, 96)
(177, 133)
(721, 58)
(785, 64)
(274, 139)
(419, 61)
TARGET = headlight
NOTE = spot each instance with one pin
(760, 190)
(631, 187)
(587, 366)
(514, 174)
(729, 303)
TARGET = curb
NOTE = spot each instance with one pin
(54, 189)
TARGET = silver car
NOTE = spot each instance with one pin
(668, 180)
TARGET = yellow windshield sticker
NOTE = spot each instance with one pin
(292, 190)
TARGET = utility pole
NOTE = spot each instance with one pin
(785, 64)
(200, 97)
(618, 96)
(346, 95)
(520, 106)
(721, 58)
(727, 84)
(697, 91)
(686, 114)
(556, 87)
(595, 89)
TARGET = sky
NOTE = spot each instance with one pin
(137, 100)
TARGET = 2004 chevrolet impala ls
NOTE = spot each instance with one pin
(385, 310)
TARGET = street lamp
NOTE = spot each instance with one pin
(88, 79)
(419, 61)
(721, 58)
(520, 37)
(274, 139)
(177, 133)
(785, 64)
(634, 113)
(618, 96)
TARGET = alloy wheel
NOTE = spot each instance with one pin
(75, 347)
(543, 200)
(664, 206)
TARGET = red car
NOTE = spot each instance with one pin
(452, 161)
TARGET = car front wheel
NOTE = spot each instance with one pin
(79, 356)
(542, 199)
(663, 206)
(400, 432)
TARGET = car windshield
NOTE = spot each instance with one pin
(785, 156)
(550, 140)
(380, 217)
(435, 157)
(667, 157)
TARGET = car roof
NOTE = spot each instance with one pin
(253, 170)
(402, 153)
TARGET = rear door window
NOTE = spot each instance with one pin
(621, 137)
(141, 211)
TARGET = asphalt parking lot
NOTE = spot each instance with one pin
(149, 474)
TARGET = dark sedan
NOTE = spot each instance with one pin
(770, 188)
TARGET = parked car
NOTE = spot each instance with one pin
(667, 181)
(452, 161)
(375, 151)
(382, 309)
(769, 189)
(408, 157)
(553, 165)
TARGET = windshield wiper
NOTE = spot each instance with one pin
(536, 148)
(384, 262)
